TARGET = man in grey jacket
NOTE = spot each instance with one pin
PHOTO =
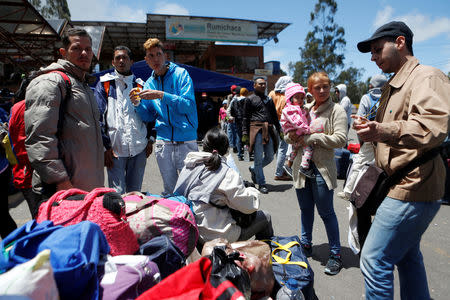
(68, 154)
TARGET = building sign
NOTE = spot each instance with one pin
(211, 30)
(263, 72)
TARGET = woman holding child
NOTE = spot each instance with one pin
(318, 189)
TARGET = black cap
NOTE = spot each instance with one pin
(391, 29)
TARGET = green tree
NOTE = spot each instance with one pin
(324, 45)
(351, 78)
(53, 9)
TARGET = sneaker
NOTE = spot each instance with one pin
(241, 158)
(263, 189)
(284, 177)
(253, 175)
(235, 150)
(309, 173)
(307, 250)
(288, 170)
(334, 265)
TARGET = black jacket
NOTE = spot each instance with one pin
(259, 108)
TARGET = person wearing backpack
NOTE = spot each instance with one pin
(62, 122)
(123, 131)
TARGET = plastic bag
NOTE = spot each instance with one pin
(224, 266)
(33, 279)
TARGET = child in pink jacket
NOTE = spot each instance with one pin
(295, 117)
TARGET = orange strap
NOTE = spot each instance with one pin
(106, 87)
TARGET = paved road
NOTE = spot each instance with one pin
(282, 204)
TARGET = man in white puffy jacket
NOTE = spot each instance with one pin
(123, 131)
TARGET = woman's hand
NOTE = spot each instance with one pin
(297, 139)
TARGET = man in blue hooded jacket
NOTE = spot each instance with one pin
(168, 99)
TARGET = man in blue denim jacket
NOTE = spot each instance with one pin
(168, 99)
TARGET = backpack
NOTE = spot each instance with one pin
(75, 253)
(19, 119)
(102, 206)
(154, 216)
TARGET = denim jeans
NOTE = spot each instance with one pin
(170, 158)
(263, 155)
(281, 157)
(239, 139)
(394, 240)
(127, 173)
(232, 134)
(316, 193)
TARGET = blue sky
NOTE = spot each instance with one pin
(429, 20)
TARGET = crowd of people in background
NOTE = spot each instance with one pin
(66, 134)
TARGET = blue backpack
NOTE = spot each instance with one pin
(75, 253)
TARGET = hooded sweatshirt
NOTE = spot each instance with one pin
(344, 101)
(212, 220)
(277, 94)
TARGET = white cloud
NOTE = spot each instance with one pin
(383, 16)
(424, 27)
(167, 8)
(274, 55)
(106, 10)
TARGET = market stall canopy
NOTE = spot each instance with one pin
(133, 34)
(26, 38)
(204, 80)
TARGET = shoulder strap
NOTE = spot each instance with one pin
(63, 105)
(106, 85)
(416, 162)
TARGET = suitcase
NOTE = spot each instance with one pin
(342, 158)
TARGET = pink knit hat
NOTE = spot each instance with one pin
(292, 89)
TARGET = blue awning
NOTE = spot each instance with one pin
(204, 80)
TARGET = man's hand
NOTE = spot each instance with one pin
(134, 96)
(65, 185)
(358, 120)
(371, 131)
(149, 149)
(245, 139)
(151, 94)
(109, 158)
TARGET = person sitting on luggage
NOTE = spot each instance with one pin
(295, 117)
(215, 190)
